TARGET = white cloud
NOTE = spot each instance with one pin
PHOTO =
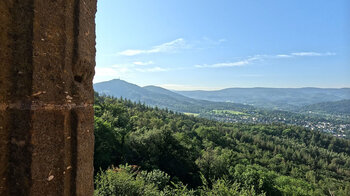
(111, 71)
(121, 70)
(283, 56)
(208, 41)
(153, 69)
(255, 58)
(187, 87)
(118, 70)
(166, 47)
(120, 66)
(143, 63)
(312, 54)
(230, 64)
(306, 54)
(131, 52)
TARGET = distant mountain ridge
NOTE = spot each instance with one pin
(163, 98)
(289, 99)
(272, 98)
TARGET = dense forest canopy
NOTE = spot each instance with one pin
(141, 150)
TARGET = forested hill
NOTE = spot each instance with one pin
(273, 98)
(290, 99)
(337, 107)
(162, 98)
(164, 153)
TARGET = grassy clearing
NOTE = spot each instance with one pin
(229, 112)
(191, 114)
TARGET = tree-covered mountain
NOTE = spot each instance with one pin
(290, 99)
(272, 98)
(162, 98)
(336, 107)
(159, 152)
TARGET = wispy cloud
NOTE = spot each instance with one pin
(252, 59)
(312, 54)
(283, 56)
(165, 47)
(122, 69)
(143, 63)
(187, 87)
(152, 69)
(209, 41)
(230, 64)
(132, 64)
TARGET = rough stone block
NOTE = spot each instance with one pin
(47, 59)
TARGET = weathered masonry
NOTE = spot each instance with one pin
(47, 60)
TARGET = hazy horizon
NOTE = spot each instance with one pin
(192, 88)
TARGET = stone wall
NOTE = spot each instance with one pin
(47, 60)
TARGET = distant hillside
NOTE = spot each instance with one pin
(272, 98)
(157, 96)
(337, 107)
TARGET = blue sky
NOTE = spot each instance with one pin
(215, 44)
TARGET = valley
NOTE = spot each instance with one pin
(330, 117)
